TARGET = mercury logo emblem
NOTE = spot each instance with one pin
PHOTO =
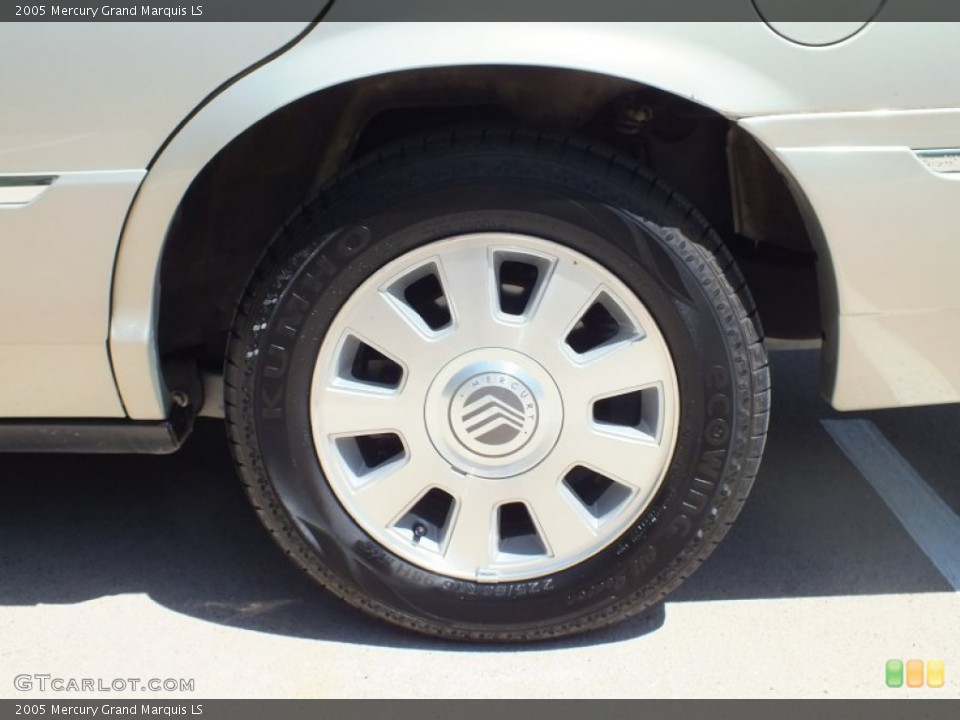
(494, 414)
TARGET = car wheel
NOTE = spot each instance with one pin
(494, 385)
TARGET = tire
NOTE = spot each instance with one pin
(497, 385)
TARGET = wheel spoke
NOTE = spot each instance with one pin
(564, 528)
(356, 411)
(471, 543)
(379, 322)
(383, 501)
(629, 461)
(468, 286)
(566, 296)
(629, 365)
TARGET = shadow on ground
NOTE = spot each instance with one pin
(178, 528)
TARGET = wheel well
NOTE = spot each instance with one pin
(235, 205)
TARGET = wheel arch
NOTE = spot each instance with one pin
(293, 92)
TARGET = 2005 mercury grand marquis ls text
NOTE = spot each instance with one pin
(480, 303)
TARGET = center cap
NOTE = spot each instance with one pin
(494, 414)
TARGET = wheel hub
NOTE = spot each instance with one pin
(493, 413)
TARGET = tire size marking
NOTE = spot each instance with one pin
(387, 563)
(507, 590)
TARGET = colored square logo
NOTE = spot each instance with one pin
(935, 673)
(894, 673)
(914, 673)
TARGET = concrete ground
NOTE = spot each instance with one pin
(120, 567)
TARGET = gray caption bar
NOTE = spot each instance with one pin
(484, 10)
(496, 709)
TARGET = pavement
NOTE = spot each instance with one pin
(154, 567)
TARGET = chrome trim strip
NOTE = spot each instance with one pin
(18, 190)
(946, 160)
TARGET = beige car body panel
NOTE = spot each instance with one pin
(842, 120)
(91, 119)
(56, 264)
(893, 248)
